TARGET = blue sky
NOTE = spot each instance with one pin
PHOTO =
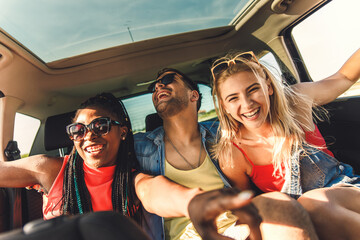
(58, 29)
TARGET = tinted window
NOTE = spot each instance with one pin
(269, 61)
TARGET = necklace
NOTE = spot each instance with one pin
(192, 166)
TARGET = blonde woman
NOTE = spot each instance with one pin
(267, 129)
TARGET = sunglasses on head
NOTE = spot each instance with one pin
(167, 79)
(99, 126)
(222, 64)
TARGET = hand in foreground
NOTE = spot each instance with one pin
(204, 208)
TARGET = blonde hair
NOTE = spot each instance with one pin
(288, 132)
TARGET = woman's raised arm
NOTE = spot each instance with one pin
(328, 89)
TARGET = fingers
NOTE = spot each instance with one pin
(252, 219)
(225, 200)
(249, 215)
(204, 209)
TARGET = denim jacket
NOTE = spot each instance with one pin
(150, 152)
(316, 169)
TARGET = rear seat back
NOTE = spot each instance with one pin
(153, 121)
(55, 132)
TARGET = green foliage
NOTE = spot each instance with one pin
(203, 116)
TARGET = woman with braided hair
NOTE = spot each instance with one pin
(96, 176)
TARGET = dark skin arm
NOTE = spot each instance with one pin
(38, 169)
(204, 208)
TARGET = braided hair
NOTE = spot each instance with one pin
(76, 197)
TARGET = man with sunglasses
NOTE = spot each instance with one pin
(177, 155)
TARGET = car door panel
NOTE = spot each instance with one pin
(342, 133)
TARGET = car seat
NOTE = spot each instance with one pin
(153, 121)
(55, 133)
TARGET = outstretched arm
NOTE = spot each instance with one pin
(162, 196)
(38, 169)
(328, 89)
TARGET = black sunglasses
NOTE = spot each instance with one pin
(167, 79)
(99, 126)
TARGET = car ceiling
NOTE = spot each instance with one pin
(52, 88)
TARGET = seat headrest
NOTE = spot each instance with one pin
(153, 121)
(55, 131)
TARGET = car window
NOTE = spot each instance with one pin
(327, 38)
(116, 22)
(25, 130)
(269, 61)
(207, 109)
(140, 106)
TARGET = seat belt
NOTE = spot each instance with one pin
(12, 153)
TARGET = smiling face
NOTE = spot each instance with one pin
(244, 98)
(98, 151)
(170, 99)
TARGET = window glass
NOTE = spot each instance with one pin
(53, 30)
(140, 106)
(327, 38)
(25, 130)
(269, 61)
(207, 109)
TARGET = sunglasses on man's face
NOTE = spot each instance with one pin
(165, 80)
(99, 126)
(222, 64)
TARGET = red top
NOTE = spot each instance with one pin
(262, 176)
(98, 182)
(315, 138)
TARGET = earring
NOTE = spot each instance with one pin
(123, 136)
